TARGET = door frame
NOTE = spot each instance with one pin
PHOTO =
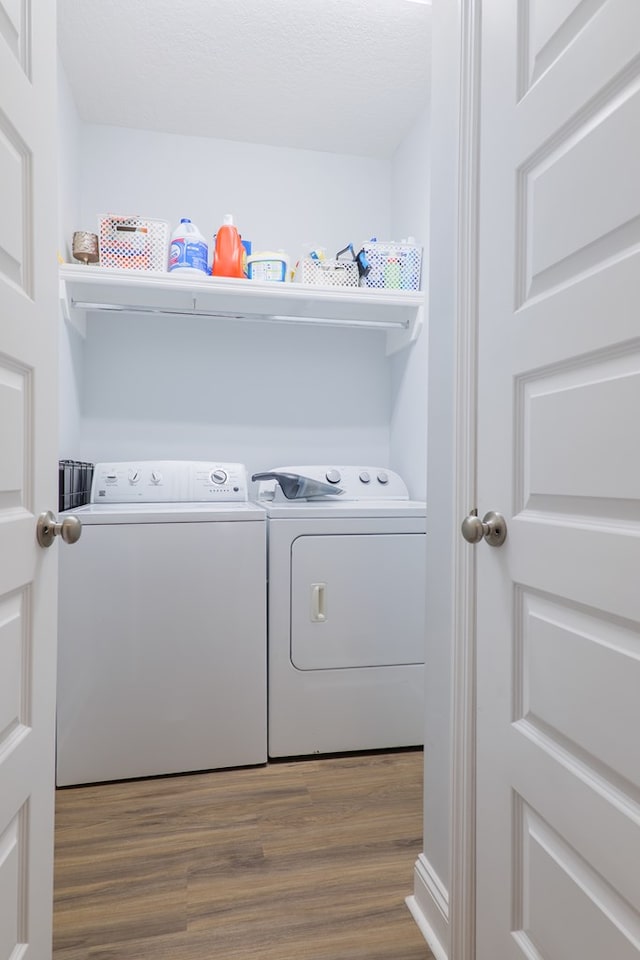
(462, 890)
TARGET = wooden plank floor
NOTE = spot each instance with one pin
(305, 860)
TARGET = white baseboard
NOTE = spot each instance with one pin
(429, 907)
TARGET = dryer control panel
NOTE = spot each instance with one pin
(169, 481)
(350, 482)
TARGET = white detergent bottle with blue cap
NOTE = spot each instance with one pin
(187, 251)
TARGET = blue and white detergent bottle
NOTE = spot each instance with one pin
(187, 251)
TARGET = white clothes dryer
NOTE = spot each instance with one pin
(162, 625)
(346, 622)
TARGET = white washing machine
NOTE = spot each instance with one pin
(346, 624)
(162, 625)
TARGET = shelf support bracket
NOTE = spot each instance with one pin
(71, 315)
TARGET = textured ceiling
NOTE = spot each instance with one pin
(344, 76)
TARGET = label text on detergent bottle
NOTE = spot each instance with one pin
(188, 253)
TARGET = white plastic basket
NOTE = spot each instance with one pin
(393, 265)
(133, 243)
(327, 273)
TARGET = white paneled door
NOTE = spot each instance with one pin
(28, 364)
(558, 695)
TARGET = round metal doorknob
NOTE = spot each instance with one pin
(49, 528)
(472, 529)
(492, 528)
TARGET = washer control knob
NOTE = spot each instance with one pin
(111, 477)
(156, 477)
(219, 476)
(333, 476)
(365, 477)
(134, 476)
(383, 477)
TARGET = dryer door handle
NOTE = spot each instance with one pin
(318, 606)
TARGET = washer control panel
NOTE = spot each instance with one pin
(169, 481)
(356, 483)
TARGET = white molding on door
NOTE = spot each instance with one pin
(429, 907)
(463, 706)
(446, 918)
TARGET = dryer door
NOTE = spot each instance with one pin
(357, 600)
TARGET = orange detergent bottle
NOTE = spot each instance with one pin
(228, 257)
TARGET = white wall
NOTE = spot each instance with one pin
(243, 391)
(261, 394)
(68, 165)
(70, 344)
(280, 198)
(410, 217)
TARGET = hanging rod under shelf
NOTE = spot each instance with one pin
(230, 315)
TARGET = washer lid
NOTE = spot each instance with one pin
(134, 513)
(300, 509)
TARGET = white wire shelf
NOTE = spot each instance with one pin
(98, 290)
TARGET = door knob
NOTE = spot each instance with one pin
(49, 528)
(492, 527)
